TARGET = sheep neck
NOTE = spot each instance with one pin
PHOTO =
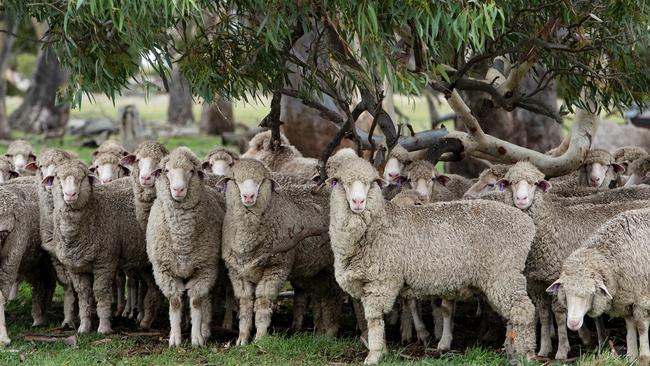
(71, 247)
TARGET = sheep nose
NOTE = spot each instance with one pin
(595, 181)
(179, 190)
(358, 201)
(573, 323)
(393, 175)
(522, 198)
(248, 197)
(70, 194)
(105, 181)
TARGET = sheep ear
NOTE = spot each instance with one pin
(544, 185)
(604, 289)
(618, 168)
(443, 179)
(552, 289)
(13, 174)
(125, 153)
(275, 185)
(129, 160)
(156, 172)
(200, 173)
(332, 182)
(95, 153)
(503, 184)
(380, 182)
(32, 157)
(32, 167)
(206, 165)
(92, 179)
(48, 181)
(92, 168)
(222, 184)
(125, 170)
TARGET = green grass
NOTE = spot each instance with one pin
(279, 349)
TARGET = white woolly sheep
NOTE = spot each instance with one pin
(107, 162)
(608, 274)
(184, 241)
(7, 170)
(261, 219)
(372, 266)
(286, 159)
(21, 153)
(219, 161)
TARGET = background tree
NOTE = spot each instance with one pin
(8, 23)
(587, 48)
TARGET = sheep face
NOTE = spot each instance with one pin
(582, 296)
(21, 160)
(219, 163)
(252, 180)
(423, 177)
(146, 166)
(356, 180)
(107, 168)
(486, 183)
(7, 170)
(71, 182)
(179, 181)
(523, 180)
(393, 170)
(46, 164)
(181, 170)
(599, 175)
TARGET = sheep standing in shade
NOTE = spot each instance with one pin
(372, 266)
(21, 153)
(184, 241)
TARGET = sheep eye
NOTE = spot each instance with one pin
(491, 185)
(166, 170)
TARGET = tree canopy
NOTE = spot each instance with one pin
(596, 50)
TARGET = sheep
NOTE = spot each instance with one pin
(372, 266)
(261, 218)
(398, 159)
(410, 197)
(218, 161)
(7, 170)
(107, 165)
(21, 255)
(487, 180)
(598, 171)
(95, 235)
(21, 153)
(44, 166)
(562, 225)
(424, 179)
(639, 171)
(287, 159)
(184, 241)
(609, 274)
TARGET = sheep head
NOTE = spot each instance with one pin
(252, 181)
(627, 154)
(423, 177)
(487, 180)
(599, 169)
(108, 167)
(46, 163)
(639, 171)
(110, 147)
(21, 153)
(357, 178)
(179, 172)
(7, 170)
(219, 161)
(144, 161)
(71, 183)
(398, 159)
(523, 179)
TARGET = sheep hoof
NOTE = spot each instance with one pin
(562, 354)
(544, 351)
(444, 344)
(198, 340)
(644, 360)
(39, 322)
(174, 340)
(372, 358)
(4, 341)
(68, 324)
(140, 316)
(424, 336)
(242, 341)
(407, 338)
(104, 329)
(84, 327)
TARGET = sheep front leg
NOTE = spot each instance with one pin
(69, 304)
(563, 345)
(13, 294)
(406, 321)
(83, 286)
(631, 338)
(196, 313)
(420, 327)
(43, 289)
(244, 293)
(644, 347)
(151, 299)
(436, 312)
(230, 306)
(300, 301)
(374, 313)
(103, 291)
(120, 302)
(446, 309)
(4, 337)
(266, 292)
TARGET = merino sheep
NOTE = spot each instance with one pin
(95, 234)
(7, 170)
(410, 197)
(423, 178)
(598, 171)
(21, 153)
(374, 267)
(562, 226)
(218, 161)
(21, 255)
(107, 162)
(286, 159)
(609, 274)
(639, 171)
(44, 166)
(184, 240)
(261, 219)
(487, 180)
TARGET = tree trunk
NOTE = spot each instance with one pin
(39, 112)
(7, 22)
(217, 117)
(131, 128)
(179, 111)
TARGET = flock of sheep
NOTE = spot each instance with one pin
(227, 233)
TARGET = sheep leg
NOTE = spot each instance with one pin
(196, 313)
(406, 321)
(151, 299)
(436, 312)
(69, 297)
(644, 347)
(631, 338)
(140, 294)
(13, 294)
(198, 291)
(545, 342)
(120, 302)
(331, 308)
(229, 307)
(300, 300)
(103, 291)
(245, 294)
(266, 292)
(362, 325)
(601, 330)
(507, 296)
(373, 310)
(446, 307)
(585, 335)
(206, 319)
(4, 337)
(420, 327)
(83, 286)
(175, 315)
(563, 346)
(41, 299)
